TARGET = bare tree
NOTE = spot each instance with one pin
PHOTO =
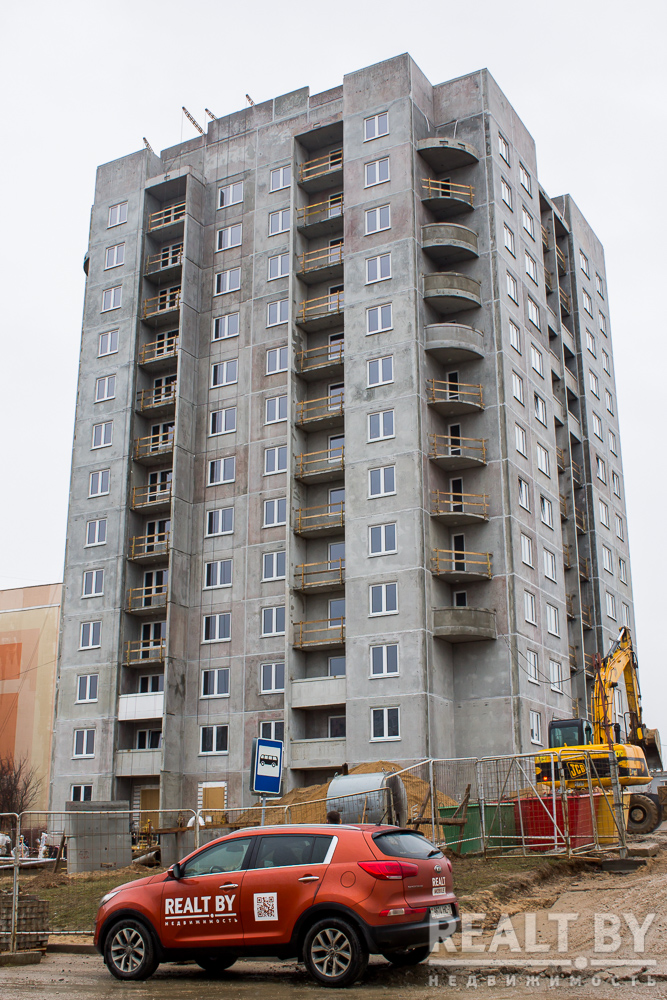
(19, 784)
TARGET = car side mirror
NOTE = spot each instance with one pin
(177, 871)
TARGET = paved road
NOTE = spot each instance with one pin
(83, 977)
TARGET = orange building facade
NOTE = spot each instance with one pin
(29, 625)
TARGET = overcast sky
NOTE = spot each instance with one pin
(84, 81)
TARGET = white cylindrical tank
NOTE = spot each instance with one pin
(376, 797)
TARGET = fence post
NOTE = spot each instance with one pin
(618, 803)
(562, 774)
(481, 805)
(15, 887)
(431, 777)
(591, 796)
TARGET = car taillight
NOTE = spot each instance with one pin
(390, 869)
(404, 911)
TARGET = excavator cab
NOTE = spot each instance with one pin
(570, 733)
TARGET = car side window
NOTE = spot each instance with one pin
(228, 856)
(286, 850)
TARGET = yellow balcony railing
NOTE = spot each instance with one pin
(569, 606)
(453, 392)
(171, 256)
(328, 515)
(312, 462)
(587, 616)
(166, 217)
(323, 305)
(548, 280)
(560, 459)
(314, 260)
(545, 238)
(318, 409)
(445, 561)
(322, 632)
(476, 504)
(561, 261)
(449, 446)
(145, 496)
(577, 474)
(563, 507)
(156, 544)
(154, 445)
(144, 651)
(166, 348)
(142, 598)
(580, 518)
(168, 300)
(584, 568)
(567, 556)
(322, 165)
(319, 211)
(320, 357)
(319, 574)
(153, 399)
(445, 189)
(565, 300)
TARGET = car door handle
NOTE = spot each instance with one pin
(309, 878)
(229, 885)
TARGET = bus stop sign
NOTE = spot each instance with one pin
(266, 768)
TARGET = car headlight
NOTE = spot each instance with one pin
(109, 895)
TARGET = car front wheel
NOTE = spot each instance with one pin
(334, 953)
(129, 951)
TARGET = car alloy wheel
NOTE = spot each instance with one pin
(334, 954)
(129, 951)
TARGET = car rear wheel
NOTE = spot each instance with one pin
(129, 951)
(411, 956)
(334, 953)
(216, 963)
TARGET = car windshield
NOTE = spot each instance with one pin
(227, 856)
(406, 844)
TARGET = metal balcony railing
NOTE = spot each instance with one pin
(584, 568)
(445, 189)
(320, 211)
(328, 515)
(473, 504)
(154, 445)
(587, 616)
(560, 459)
(309, 410)
(569, 606)
(548, 280)
(158, 350)
(453, 392)
(314, 260)
(580, 519)
(171, 256)
(567, 556)
(155, 399)
(145, 496)
(445, 561)
(323, 305)
(312, 462)
(156, 544)
(565, 301)
(588, 664)
(141, 598)
(168, 300)
(141, 652)
(561, 261)
(449, 446)
(320, 357)
(573, 657)
(320, 166)
(545, 238)
(320, 574)
(321, 632)
(564, 514)
(577, 474)
(166, 217)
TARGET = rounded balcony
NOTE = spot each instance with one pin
(459, 566)
(447, 242)
(444, 198)
(451, 292)
(443, 154)
(452, 452)
(452, 398)
(452, 343)
(454, 509)
(464, 624)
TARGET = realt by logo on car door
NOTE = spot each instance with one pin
(200, 910)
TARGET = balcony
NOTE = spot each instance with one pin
(459, 566)
(147, 601)
(545, 238)
(154, 497)
(446, 242)
(165, 265)
(322, 413)
(565, 302)
(560, 459)
(145, 652)
(443, 154)
(324, 519)
(459, 508)
(318, 753)
(450, 292)
(561, 262)
(464, 624)
(589, 664)
(450, 398)
(154, 448)
(138, 763)
(132, 707)
(157, 402)
(569, 607)
(548, 280)
(168, 219)
(159, 353)
(325, 633)
(321, 362)
(584, 568)
(325, 264)
(451, 343)
(451, 453)
(445, 199)
(567, 556)
(564, 512)
(587, 616)
(322, 172)
(163, 308)
(323, 218)
(320, 466)
(577, 474)
(320, 577)
(318, 692)
(580, 520)
(321, 313)
(149, 548)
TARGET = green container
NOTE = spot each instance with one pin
(499, 824)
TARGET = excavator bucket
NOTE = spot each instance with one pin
(653, 750)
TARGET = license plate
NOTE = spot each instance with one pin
(442, 911)
(439, 890)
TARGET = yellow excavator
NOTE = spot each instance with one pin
(636, 755)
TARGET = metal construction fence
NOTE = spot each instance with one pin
(56, 866)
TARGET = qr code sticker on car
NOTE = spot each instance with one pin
(266, 906)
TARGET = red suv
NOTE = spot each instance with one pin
(328, 895)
